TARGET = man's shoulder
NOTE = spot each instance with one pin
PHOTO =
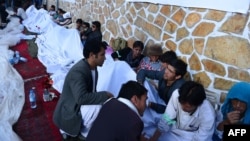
(126, 49)
(176, 93)
(80, 64)
(178, 83)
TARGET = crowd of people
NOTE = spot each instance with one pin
(185, 113)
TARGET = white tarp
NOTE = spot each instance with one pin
(241, 6)
(11, 85)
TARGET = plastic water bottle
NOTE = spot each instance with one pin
(32, 97)
(46, 95)
(23, 59)
(17, 57)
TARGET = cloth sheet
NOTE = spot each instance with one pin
(11, 85)
(60, 48)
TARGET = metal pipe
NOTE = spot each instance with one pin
(57, 4)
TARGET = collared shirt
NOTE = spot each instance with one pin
(197, 126)
(129, 104)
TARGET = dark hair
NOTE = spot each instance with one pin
(97, 25)
(86, 23)
(179, 66)
(93, 46)
(17, 4)
(131, 88)
(168, 56)
(138, 44)
(53, 6)
(192, 93)
(80, 21)
(105, 43)
(61, 10)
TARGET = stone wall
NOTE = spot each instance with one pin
(215, 44)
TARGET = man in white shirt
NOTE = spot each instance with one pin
(188, 116)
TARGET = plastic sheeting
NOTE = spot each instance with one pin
(11, 98)
(11, 84)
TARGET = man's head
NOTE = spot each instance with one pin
(138, 47)
(191, 95)
(136, 93)
(60, 11)
(52, 8)
(85, 25)
(166, 57)
(79, 23)
(96, 26)
(175, 70)
(154, 52)
(94, 52)
(238, 99)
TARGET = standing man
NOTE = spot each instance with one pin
(80, 89)
(120, 119)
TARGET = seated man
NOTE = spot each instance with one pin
(132, 56)
(235, 109)
(52, 10)
(170, 79)
(79, 89)
(151, 61)
(120, 119)
(188, 116)
(86, 31)
(96, 33)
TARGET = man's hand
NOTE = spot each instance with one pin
(143, 138)
(233, 117)
(110, 94)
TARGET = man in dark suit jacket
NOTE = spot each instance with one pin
(119, 119)
(80, 89)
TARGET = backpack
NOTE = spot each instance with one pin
(32, 48)
(119, 44)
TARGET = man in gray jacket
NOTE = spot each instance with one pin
(80, 89)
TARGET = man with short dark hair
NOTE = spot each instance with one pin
(132, 56)
(96, 33)
(79, 89)
(188, 116)
(170, 79)
(119, 119)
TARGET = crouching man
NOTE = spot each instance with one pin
(120, 118)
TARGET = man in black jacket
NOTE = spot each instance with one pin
(120, 119)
